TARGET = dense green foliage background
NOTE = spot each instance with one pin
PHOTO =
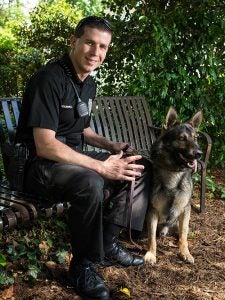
(172, 52)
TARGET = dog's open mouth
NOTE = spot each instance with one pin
(191, 163)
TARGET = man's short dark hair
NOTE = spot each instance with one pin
(93, 22)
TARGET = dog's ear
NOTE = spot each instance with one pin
(196, 120)
(171, 119)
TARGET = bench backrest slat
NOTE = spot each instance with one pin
(8, 120)
(16, 109)
(123, 119)
(106, 114)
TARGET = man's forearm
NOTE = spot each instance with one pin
(100, 142)
(59, 152)
(96, 140)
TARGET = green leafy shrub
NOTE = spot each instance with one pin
(26, 252)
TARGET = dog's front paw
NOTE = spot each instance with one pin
(150, 258)
(186, 256)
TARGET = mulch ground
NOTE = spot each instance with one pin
(170, 278)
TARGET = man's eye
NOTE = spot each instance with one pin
(104, 47)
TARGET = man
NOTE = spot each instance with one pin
(54, 122)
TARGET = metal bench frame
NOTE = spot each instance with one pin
(125, 119)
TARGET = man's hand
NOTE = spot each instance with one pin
(118, 168)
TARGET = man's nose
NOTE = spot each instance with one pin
(95, 50)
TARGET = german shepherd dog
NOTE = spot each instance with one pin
(174, 157)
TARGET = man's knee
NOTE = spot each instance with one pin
(93, 183)
(86, 199)
(88, 188)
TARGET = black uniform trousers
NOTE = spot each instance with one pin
(84, 189)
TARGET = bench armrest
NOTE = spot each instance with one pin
(208, 146)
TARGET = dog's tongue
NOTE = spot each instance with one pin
(193, 165)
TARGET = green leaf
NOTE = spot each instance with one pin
(189, 60)
(61, 224)
(33, 271)
(5, 278)
(32, 256)
(61, 256)
(3, 261)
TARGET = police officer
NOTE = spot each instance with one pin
(54, 122)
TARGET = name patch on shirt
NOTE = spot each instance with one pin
(66, 106)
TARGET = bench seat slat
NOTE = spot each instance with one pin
(9, 219)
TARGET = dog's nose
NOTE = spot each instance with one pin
(198, 154)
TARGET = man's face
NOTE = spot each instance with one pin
(89, 51)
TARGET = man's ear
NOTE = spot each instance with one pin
(73, 40)
(171, 119)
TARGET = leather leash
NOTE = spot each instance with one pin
(128, 150)
(130, 198)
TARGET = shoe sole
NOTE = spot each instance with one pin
(85, 297)
(113, 264)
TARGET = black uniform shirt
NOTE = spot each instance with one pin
(50, 102)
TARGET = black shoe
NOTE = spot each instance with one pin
(117, 255)
(87, 283)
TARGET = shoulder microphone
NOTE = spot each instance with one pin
(81, 107)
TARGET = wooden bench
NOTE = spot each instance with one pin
(117, 118)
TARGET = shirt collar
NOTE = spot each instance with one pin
(76, 79)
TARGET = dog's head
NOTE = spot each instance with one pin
(178, 145)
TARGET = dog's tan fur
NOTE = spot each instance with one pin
(173, 156)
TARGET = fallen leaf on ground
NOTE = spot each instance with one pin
(8, 293)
